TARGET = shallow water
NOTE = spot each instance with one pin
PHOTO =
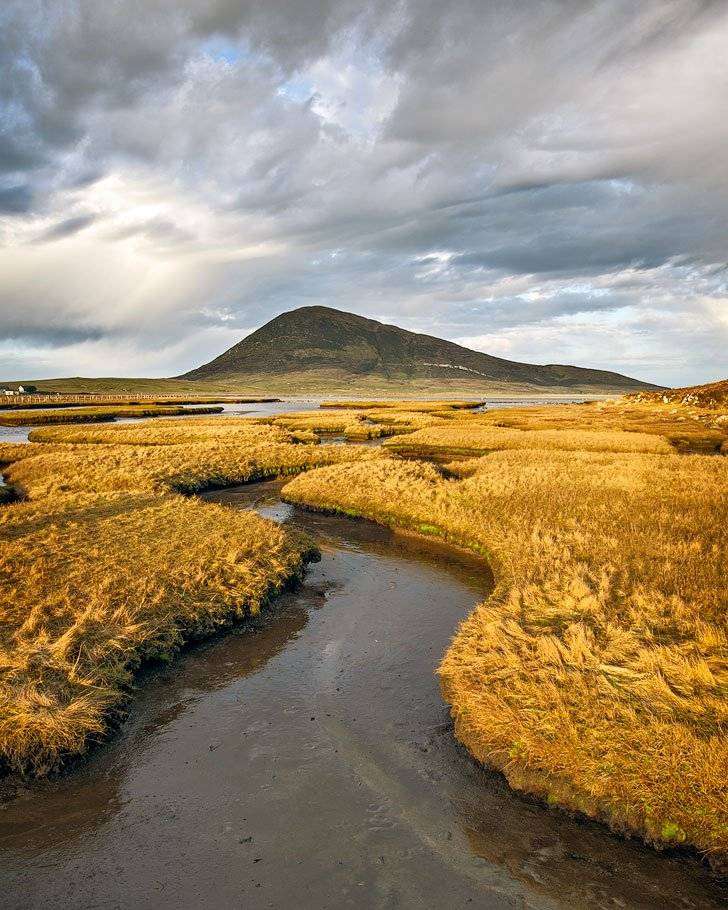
(308, 761)
(236, 409)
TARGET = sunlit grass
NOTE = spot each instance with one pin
(94, 585)
(371, 423)
(596, 675)
(472, 438)
(405, 405)
(169, 432)
(688, 429)
(86, 415)
(105, 565)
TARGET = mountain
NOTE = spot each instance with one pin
(318, 341)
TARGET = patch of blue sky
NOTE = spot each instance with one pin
(219, 48)
(298, 88)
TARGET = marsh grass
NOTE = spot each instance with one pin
(105, 565)
(478, 439)
(169, 433)
(596, 675)
(688, 429)
(405, 405)
(99, 414)
(357, 424)
(95, 586)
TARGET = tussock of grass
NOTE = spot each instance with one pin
(411, 406)
(93, 415)
(183, 468)
(478, 439)
(104, 565)
(95, 585)
(312, 421)
(407, 421)
(43, 401)
(596, 675)
(686, 428)
(356, 424)
(170, 432)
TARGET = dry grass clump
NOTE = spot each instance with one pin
(91, 586)
(685, 428)
(411, 406)
(356, 424)
(170, 432)
(364, 429)
(471, 438)
(183, 468)
(28, 418)
(92, 415)
(104, 565)
(45, 401)
(408, 420)
(596, 675)
(311, 421)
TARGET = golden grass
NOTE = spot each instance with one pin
(95, 585)
(86, 415)
(105, 565)
(43, 471)
(596, 675)
(169, 432)
(357, 424)
(477, 439)
(45, 401)
(404, 405)
(685, 428)
(313, 421)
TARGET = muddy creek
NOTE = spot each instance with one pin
(307, 760)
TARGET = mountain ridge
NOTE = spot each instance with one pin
(334, 343)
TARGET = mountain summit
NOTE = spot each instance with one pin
(335, 345)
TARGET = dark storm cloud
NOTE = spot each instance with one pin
(458, 167)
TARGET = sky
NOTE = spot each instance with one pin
(545, 181)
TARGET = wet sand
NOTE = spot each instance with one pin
(307, 760)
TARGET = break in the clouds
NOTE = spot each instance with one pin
(544, 181)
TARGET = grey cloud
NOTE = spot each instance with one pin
(157, 230)
(66, 228)
(15, 199)
(53, 336)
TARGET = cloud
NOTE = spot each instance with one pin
(66, 228)
(15, 199)
(542, 179)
